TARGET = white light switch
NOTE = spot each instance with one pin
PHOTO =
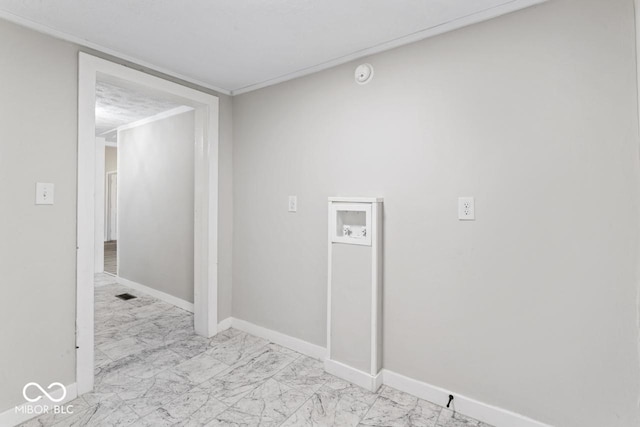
(44, 193)
(466, 209)
(293, 204)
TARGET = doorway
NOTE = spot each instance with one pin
(205, 108)
(111, 224)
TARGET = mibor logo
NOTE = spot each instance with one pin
(34, 392)
(43, 393)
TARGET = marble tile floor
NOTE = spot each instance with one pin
(102, 279)
(152, 370)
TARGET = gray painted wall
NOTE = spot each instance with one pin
(38, 135)
(37, 257)
(446, 115)
(532, 307)
(110, 165)
(110, 159)
(225, 207)
(155, 204)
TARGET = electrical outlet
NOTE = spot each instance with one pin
(293, 204)
(466, 209)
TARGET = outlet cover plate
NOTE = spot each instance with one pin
(44, 193)
(293, 204)
(466, 209)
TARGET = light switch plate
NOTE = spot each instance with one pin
(466, 209)
(44, 193)
(293, 204)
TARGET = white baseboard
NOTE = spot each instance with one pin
(163, 296)
(493, 415)
(356, 376)
(490, 414)
(296, 344)
(225, 324)
(11, 417)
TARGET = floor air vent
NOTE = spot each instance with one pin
(126, 296)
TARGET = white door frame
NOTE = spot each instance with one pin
(636, 5)
(205, 209)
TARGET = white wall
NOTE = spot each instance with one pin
(532, 307)
(155, 204)
(38, 124)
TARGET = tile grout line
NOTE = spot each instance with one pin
(299, 356)
(270, 376)
(302, 404)
(438, 417)
(227, 407)
(364, 417)
(298, 408)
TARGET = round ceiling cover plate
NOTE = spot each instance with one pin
(364, 73)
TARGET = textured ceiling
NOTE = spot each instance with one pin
(117, 106)
(239, 45)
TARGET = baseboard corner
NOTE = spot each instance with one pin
(296, 344)
(225, 324)
(162, 296)
(353, 375)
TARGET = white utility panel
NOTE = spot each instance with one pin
(354, 303)
(44, 193)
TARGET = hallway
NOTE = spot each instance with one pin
(111, 257)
